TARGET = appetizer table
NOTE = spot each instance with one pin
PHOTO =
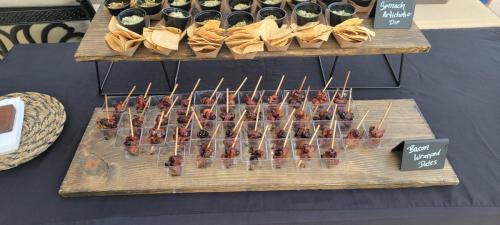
(386, 42)
(455, 86)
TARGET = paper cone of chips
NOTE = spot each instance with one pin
(206, 41)
(278, 39)
(122, 40)
(351, 34)
(245, 42)
(312, 35)
(162, 40)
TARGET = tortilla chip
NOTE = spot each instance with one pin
(166, 39)
(113, 42)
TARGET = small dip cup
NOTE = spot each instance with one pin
(215, 7)
(164, 154)
(324, 146)
(304, 163)
(263, 4)
(137, 27)
(328, 2)
(222, 144)
(280, 14)
(283, 160)
(310, 8)
(199, 161)
(186, 6)
(177, 22)
(336, 19)
(233, 3)
(255, 164)
(150, 10)
(203, 16)
(239, 16)
(350, 143)
(296, 2)
(116, 11)
(362, 3)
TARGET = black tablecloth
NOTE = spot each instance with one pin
(456, 86)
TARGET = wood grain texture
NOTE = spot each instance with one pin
(387, 41)
(99, 169)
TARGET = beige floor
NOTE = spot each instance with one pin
(455, 14)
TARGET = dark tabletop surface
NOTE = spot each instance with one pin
(456, 86)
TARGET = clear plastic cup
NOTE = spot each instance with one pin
(318, 97)
(341, 99)
(273, 112)
(179, 115)
(148, 140)
(228, 154)
(152, 117)
(163, 159)
(102, 131)
(115, 100)
(373, 138)
(251, 112)
(267, 94)
(322, 112)
(205, 114)
(232, 114)
(248, 130)
(295, 98)
(280, 153)
(136, 121)
(202, 157)
(207, 132)
(276, 129)
(348, 142)
(163, 102)
(331, 158)
(184, 134)
(255, 158)
(324, 129)
(302, 158)
(233, 99)
(203, 97)
(227, 130)
(305, 116)
(132, 150)
(302, 129)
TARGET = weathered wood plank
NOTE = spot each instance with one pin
(99, 169)
(387, 41)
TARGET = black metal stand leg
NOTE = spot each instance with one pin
(171, 81)
(103, 83)
(396, 77)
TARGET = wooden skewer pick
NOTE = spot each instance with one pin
(314, 135)
(194, 88)
(217, 88)
(333, 137)
(315, 110)
(197, 120)
(289, 119)
(284, 100)
(327, 84)
(172, 106)
(173, 90)
(385, 115)
(106, 105)
(239, 120)
(287, 135)
(257, 117)
(213, 136)
(333, 116)
(190, 117)
(241, 85)
(263, 137)
(305, 99)
(161, 120)
(236, 137)
(189, 104)
(332, 100)
(362, 119)
(345, 84)
(227, 100)
(145, 108)
(130, 121)
(303, 82)
(349, 101)
(213, 105)
(279, 85)
(256, 87)
(176, 140)
(129, 94)
(147, 90)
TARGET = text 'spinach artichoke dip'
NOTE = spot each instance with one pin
(129, 20)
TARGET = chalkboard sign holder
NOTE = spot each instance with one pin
(422, 154)
(394, 14)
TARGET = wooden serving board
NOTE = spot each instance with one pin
(99, 169)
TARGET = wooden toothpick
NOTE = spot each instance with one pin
(333, 116)
(239, 120)
(106, 105)
(284, 100)
(362, 119)
(145, 108)
(279, 85)
(263, 137)
(287, 135)
(327, 84)
(161, 120)
(256, 87)
(173, 91)
(227, 100)
(305, 99)
(216, 88)
(349, 101)
(129, 94)
(257, 117)
(130, 121)
(333, 137)
(345, 83)
(236, 137)
(314, 135)
(303, 82)
(213, 136)
(332, 100)
(385, 115)
(197, 119)
(194, 88)
(147, 90)
(289, 119)
(172, 106)
(241, 85)
(176, 140)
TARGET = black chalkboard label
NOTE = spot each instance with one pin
(394, 14)
(423, 154)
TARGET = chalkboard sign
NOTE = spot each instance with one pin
(394, 14)
(423, 154)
